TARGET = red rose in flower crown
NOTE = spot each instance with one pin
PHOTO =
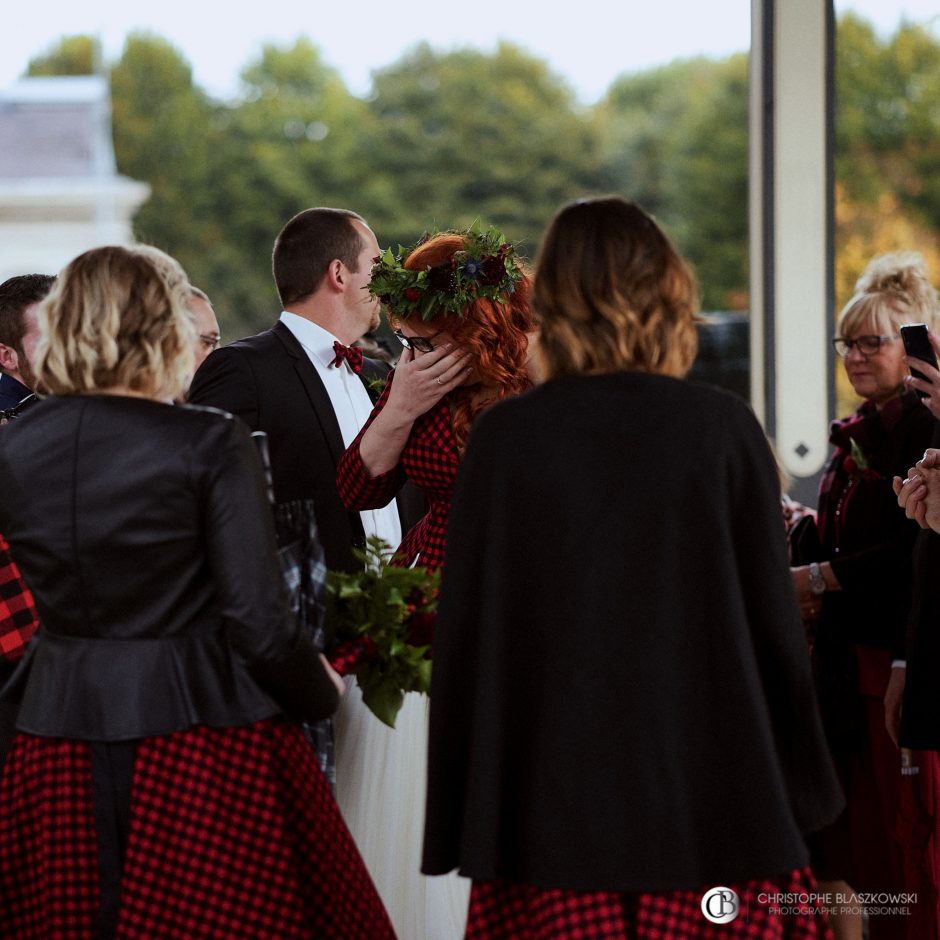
(492, 269)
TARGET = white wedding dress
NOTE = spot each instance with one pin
(380, 782)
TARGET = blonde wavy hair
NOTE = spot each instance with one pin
(894, 289)
(611, 293)
(113, 321)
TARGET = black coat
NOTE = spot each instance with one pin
(270, 383)
(143, 532)
(870, 544)
(621, 696)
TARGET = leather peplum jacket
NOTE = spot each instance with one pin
(143, 532)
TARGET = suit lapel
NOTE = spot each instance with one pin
(316, 392)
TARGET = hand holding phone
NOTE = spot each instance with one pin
(917, 344)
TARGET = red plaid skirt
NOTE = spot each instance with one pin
(233, 833)
(501, 910)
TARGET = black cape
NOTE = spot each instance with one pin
(621, 696)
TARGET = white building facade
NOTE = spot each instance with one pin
(60, 193)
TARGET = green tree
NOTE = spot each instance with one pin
(675, 140)
(708, 184)
(290, 141)
(165, 133)
(888, 116)
(466, 135)
(70, 55)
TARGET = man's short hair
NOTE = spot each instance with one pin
(307, 244)
(16, 294)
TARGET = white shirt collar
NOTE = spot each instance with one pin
(317, 341)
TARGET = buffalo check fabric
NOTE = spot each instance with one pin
(502, 910)
(18, 617)
(430, 460)
(233, 833)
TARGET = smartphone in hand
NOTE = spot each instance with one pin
(917, 344)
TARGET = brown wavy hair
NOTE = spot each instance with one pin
(611, 292)
(494, 334)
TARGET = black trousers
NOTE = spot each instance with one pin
(112, 770)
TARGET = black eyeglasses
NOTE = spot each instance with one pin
(421, 344)
(210, 340)
(867, 345)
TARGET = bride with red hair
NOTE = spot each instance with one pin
(459, 304)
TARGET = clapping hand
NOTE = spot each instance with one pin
(919, 493)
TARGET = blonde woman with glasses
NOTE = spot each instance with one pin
(858, 594)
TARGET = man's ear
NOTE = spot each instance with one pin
(9, 361)
(336, 275)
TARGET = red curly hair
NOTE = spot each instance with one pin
(494, 335)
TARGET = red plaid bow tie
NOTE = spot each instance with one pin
(352, 354)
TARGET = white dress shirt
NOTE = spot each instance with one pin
(352, 406)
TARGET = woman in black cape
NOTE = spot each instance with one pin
(622, 713)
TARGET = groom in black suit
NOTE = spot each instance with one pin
(297, 382)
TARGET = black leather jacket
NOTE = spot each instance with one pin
(143, 532)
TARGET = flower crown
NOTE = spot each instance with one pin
(486, 268)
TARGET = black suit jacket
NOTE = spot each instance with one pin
(269, 382)
(143, 532)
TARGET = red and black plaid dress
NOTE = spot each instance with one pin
(430, 460)
(502, 910)
(18, 617)
(233, 833)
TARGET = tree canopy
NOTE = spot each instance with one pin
(449, 137)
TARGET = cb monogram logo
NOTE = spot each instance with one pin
(721, 905)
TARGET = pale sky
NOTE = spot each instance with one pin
(589, 42)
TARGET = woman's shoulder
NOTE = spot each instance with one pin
(629, 390)
(165, 425)
(210, 427)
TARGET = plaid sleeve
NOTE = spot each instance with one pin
(18, 617)
(357, 489)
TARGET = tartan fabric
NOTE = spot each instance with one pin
(303, 568)
(233, 833)
(352, 355)
(430, 460)
(867, 427)
(502, 910)
(918, 829)
(48, 847)
(18, 617)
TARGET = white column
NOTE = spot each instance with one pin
(791, 223)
